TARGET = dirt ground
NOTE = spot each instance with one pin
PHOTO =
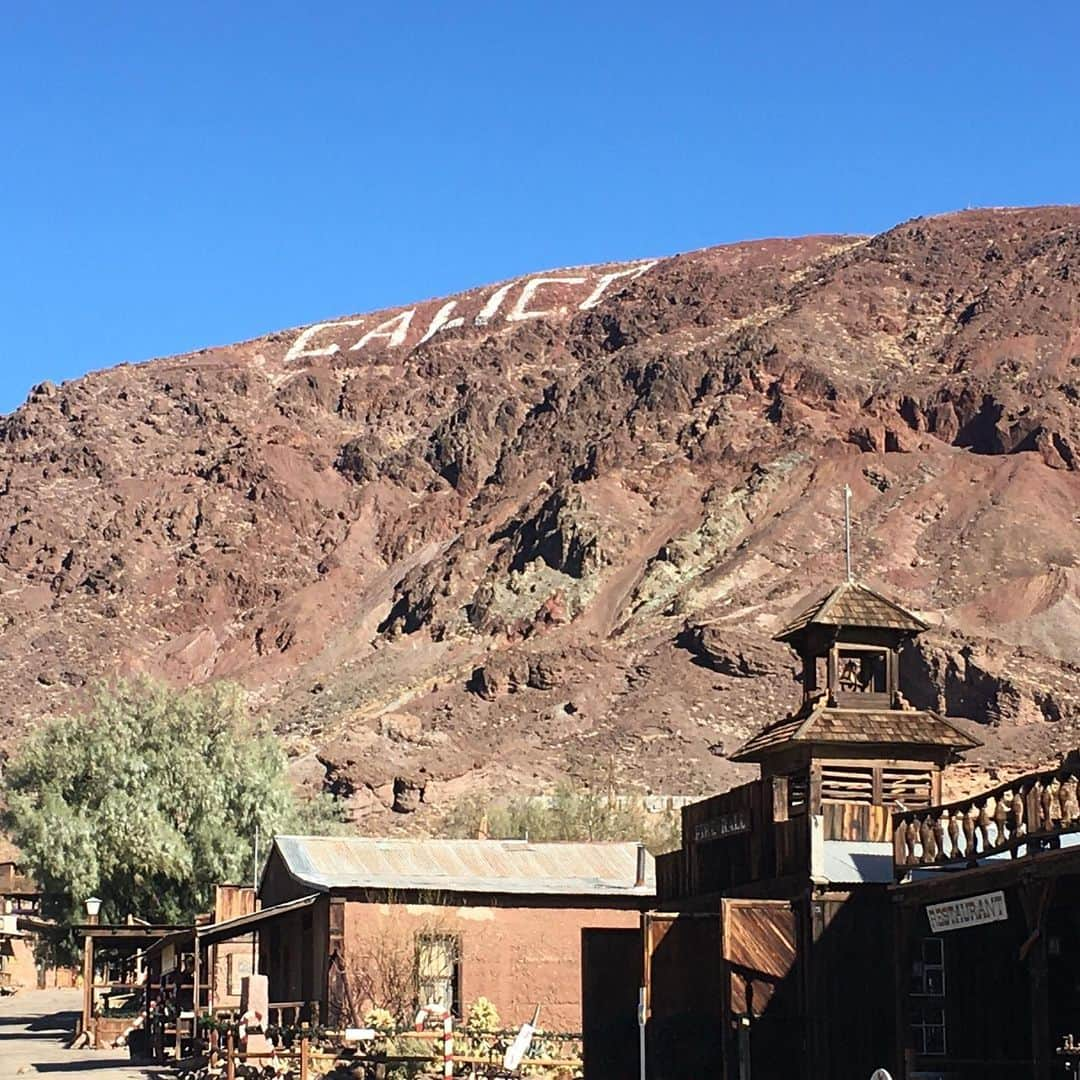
(35, 1028)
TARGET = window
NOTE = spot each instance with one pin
(928, 981)
(798, 786)
(879, 785)
(928, 1029)
(928, 972)
(438, 971)
(240, 966)
(862, 671)
(912, 787)
(847, 783)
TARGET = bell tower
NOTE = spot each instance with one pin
(849, 644)
(855, 740)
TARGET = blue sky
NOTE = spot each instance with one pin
(174, 176)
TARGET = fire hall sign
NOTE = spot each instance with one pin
(730, 824)
(547, 296)
(971, 911)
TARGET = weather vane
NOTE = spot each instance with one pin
(847, 532)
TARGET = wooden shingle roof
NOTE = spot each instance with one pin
(865, 727)
(853, 604)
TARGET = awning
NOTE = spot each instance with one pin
(212, 933)
(177, 940)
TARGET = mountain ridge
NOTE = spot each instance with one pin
(554, 538)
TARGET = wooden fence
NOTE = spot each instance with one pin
(482, 1056)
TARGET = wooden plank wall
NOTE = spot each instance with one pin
(768, 849)
(855, 821)
(760, 941)
(683, 972)
(849, 984)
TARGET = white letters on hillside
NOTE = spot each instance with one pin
(442, 321)
(393, 332)
(299, 348)
(601, 286)
(487, 312)
(531, 289)
(395, 337)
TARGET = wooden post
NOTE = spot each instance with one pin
(902, 927)
(195, 1012)
(1035, 898)
(230, 1056)
(305, 1047)
(88, 986)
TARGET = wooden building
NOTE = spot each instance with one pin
(501, 919)
(772, 946)
(197, 971)
(987, 910)
(114, 978)
(19, 895)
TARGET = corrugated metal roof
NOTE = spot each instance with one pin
(853, 604)
(481, 866)
(851, 862)
(241, 925)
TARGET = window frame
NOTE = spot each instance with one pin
(424, 938)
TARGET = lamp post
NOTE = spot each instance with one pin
(93, 910)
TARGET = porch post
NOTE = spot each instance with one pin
(1035, 899)
(902, 926)
(88, 986)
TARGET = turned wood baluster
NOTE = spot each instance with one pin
(969, 831)
(1033, 806)
(1018, 813)
(954, 835)
(939, 838)
(900, 845)
(1001, 816)
(1070, 807)
(926, 838)
(912, 840)
(1046, 803)
(984, 826)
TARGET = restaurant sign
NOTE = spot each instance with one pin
(971, 911)
(730, 824)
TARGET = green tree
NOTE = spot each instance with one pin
(148, 800)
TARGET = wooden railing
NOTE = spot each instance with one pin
(1031, 812)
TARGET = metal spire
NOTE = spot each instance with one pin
(847, 532)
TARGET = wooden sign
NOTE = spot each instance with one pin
(730, 824)
(971, 911)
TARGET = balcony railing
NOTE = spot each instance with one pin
(1031, 812)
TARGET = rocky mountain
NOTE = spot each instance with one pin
(547, 528)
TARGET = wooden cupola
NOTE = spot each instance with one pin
(849, 643)
(855, 738)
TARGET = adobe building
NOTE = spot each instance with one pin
(21, 966)
(771, 952)
(501, 919)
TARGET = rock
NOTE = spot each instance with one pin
(401, 727)
(545, 673)
(713, 646)
(502, 674)
(408, 795)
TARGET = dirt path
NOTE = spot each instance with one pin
(35, 1028)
